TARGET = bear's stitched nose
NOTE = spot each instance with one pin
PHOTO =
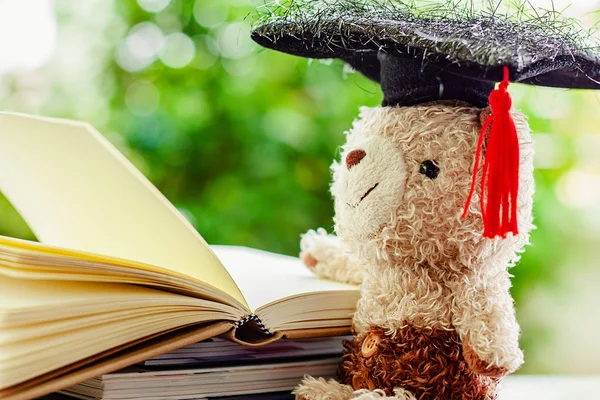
(354, 157)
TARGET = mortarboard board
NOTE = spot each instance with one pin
(433, 53)
(444, 52)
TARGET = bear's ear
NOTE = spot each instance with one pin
(484, 114)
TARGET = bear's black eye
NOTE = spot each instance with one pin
(430, 169)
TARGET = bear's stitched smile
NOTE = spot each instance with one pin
(363, 196)
(367, 193)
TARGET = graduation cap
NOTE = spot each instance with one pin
(450, 52)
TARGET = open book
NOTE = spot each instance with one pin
(119, 275)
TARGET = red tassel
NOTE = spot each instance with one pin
(500, 174)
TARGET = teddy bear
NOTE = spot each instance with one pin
(430, 248)
(435, 319)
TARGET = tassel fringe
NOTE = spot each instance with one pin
(500, 176)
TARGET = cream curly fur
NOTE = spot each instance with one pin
(423, 264)
(319, 389)
(333, 260)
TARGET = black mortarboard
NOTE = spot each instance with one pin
(439, 52)
(442, 52)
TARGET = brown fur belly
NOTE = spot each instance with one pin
(427, 362)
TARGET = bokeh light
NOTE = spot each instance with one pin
(24, 48)
(141, 47)
(579, 189)
(178, 50)
(153, 6)
(210, 15)
(234, 40)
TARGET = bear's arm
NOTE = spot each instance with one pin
(484, 317)
(327, 257)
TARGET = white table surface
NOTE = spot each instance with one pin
(546, 387)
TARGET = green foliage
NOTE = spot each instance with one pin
(243, 147)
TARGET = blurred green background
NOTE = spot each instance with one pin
(241, 139)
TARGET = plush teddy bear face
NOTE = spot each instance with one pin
(369, 183)
(403, 179)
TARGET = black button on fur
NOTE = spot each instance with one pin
(430, 169)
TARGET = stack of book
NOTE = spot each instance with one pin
(119, 277)
(218, 368)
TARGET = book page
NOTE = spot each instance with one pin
(266, 278)
(41, 331)
(22, 298)
(75, 190)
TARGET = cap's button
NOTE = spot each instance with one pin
(370, 345)
(358, 382)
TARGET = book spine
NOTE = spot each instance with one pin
(259, 323)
